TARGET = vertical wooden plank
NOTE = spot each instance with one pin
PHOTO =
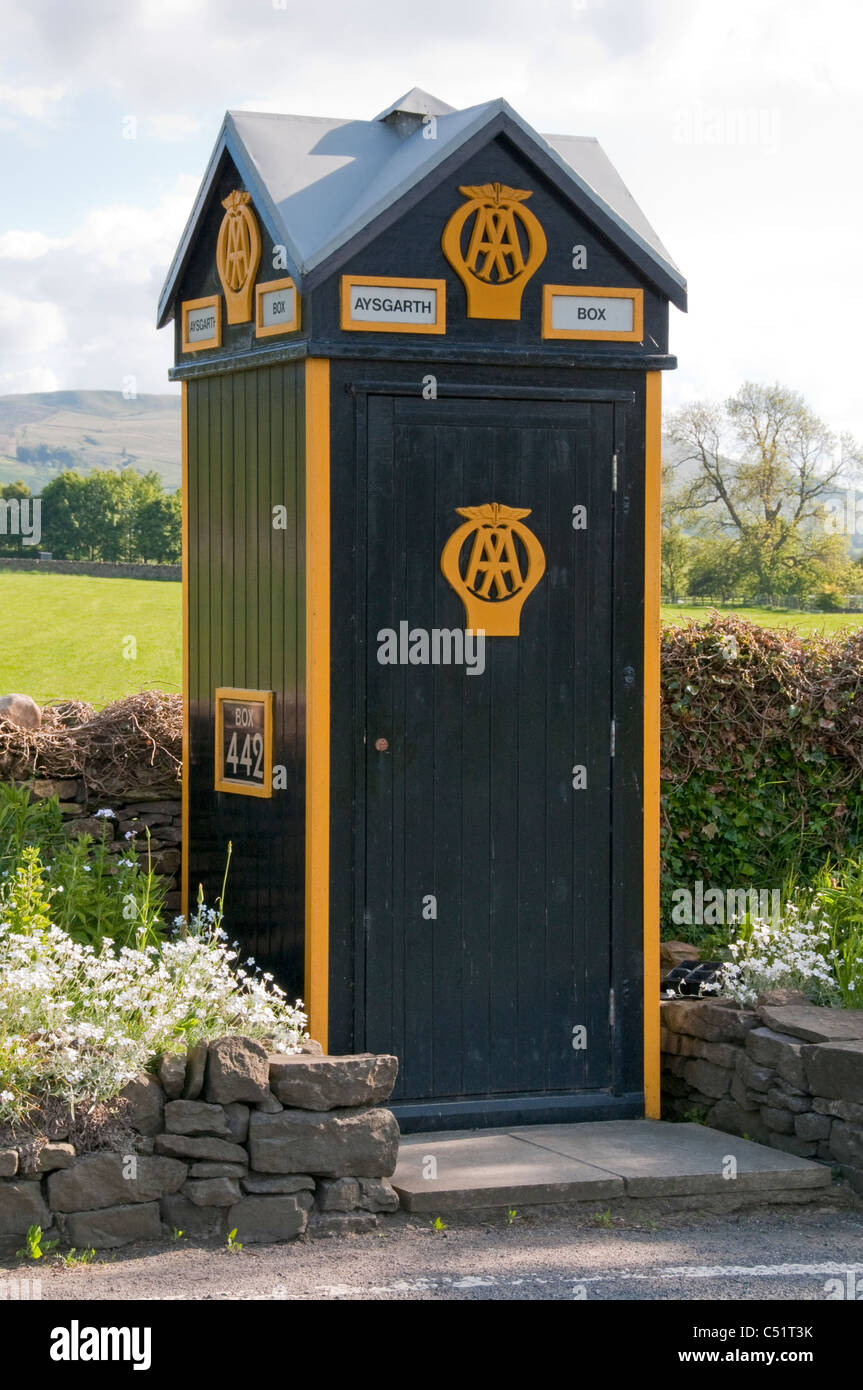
(596, 845)
(474, 775)
(317, 423)
(380, 773)
(184, 531)
(252, 559)
(414, 457)
(652, 639)
(449, 847)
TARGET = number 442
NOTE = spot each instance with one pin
(252, 749)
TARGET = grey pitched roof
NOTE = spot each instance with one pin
(321, 182)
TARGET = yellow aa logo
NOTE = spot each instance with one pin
(505, 244)
(494, 245)
(238, 254)
(495, 573)
(493, 569)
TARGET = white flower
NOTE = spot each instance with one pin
(105, 811)
(130, 834)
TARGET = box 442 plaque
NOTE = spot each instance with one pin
(244, 741)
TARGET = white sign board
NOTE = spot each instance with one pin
(278, 307)
(201, 324)
(580, 312)
(393, 305)
(591, 312)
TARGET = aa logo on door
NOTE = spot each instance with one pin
(494, 244)
(238, 254)
(493, 561)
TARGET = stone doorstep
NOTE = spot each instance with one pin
(603, 1160)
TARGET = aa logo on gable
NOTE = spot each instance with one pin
(495, 573)
(494, 244)
(238, 254)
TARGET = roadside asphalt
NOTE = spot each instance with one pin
(808, 1253)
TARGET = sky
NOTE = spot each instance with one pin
(736, 125)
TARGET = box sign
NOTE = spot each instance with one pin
(244, 741)
(591, 312)
(389, 304)
(277, 308)
(202, 323)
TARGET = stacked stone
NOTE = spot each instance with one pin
(227, 1138)
(157, 809)
(788, 1075)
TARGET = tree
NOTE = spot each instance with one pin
(758, 470)
(158, 528)
(716, 568)
(112, 516)
(63, 525)
(676, 557)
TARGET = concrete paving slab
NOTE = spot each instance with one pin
(658, 1159)
(460, 1170)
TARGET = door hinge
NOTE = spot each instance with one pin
(614, 472)
(613, 735)
(611, 1008)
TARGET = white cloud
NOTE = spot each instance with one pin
(34, 103)
(27, 246)
(171, 126)
(88, 315)
(30, 326)
(28, 379)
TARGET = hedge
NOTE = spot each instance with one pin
(762, 754)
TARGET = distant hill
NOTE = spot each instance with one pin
(45, 431)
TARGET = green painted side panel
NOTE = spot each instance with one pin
(247, 628)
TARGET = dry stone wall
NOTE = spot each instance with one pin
(228, 1138)
(102, 569)
(148, 808)
(789, 1075)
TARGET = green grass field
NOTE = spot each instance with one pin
(63, 636)
(770, 617)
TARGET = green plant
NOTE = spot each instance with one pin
(176, 1234)
(762, 765)
(604, 1219)
(74, 1257)
(234, 1245)
(695, 1115)
(793, 953)
(438, 1224)
(26, 822)
(98, 894)
(511, 1215)
(36, 1248)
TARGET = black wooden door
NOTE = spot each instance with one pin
(486, 931)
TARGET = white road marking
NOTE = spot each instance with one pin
(428, 1285)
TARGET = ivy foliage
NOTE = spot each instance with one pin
(762, 756)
